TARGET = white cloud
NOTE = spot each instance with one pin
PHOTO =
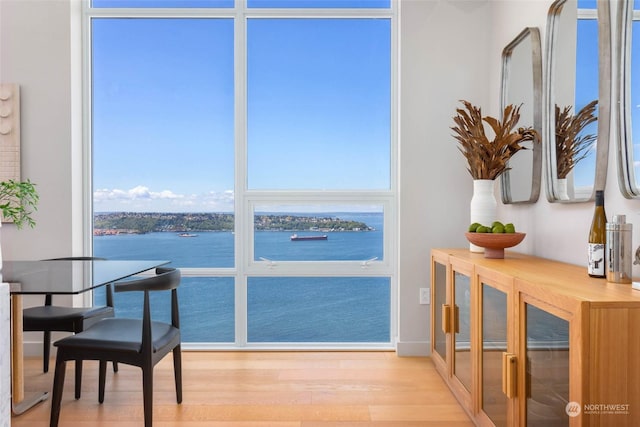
(141, 198)
(136, 193)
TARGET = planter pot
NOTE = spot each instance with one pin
(483, 206)
(563, 194)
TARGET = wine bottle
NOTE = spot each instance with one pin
(597, 239)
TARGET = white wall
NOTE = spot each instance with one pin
(451, 50)
(35, 53)
(444, 58)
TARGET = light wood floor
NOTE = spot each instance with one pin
(260, 389)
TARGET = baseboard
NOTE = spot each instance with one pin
(403, 348)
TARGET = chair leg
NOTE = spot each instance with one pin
(78, 378)
(102, 376)
(46, 351)
(147, 395)
(177, 372)
(58, 385)
(115, 366)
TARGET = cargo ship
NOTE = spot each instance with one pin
(296, 238)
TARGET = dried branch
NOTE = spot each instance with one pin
(571, 147)
(488, 159)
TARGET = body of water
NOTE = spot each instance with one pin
(279, 309)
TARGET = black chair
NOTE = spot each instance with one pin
(137, 342)
(49, 318)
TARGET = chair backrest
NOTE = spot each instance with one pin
(165, 279)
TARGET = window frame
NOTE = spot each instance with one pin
(245, 200)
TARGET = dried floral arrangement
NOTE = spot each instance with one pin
(488, 159)
(571, 148)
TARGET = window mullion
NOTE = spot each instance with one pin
(242, 227)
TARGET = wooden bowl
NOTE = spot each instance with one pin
(495, 243)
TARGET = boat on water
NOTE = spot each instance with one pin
(296, 238)
(187, 235)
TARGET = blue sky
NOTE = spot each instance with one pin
(163, 107)
(586, 91)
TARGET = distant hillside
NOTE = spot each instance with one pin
(147, 222)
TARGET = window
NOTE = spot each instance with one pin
(162, 103)
(318, 309)
(348, 233)
(319, 103)
(252, 145)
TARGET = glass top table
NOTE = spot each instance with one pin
(69, 276)
(55, 277)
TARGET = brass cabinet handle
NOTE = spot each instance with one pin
(456, 319)
(509, 373)
(446, 318)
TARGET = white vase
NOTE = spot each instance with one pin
(483, 206)
(563, 194)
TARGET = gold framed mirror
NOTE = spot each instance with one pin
(522, 86)
(577, 99)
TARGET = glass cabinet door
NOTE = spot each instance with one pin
(440, 298)
(547, 368)
(462, 329)
(495, 403)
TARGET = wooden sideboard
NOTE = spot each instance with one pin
(526, 341)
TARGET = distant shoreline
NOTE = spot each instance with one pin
(115, 223)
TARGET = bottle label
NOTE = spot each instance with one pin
(596, 265)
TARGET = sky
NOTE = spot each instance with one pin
(586, 91)
(318, 109)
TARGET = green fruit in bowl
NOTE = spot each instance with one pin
(499, 228)
(497, 224)
(483, 229)
(473, 227)
(509, 228)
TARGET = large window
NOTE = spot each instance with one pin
(318, 103)
(252, 145)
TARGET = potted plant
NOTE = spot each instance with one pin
(18, 200)
(488, 159)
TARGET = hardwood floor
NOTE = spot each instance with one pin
(260, 389)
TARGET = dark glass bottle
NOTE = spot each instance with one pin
(597, 239)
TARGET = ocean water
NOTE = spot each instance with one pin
(279, 309)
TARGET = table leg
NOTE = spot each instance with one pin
(19, 403)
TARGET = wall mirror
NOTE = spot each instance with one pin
(522, 86)
(629, 97)
(577, 99)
